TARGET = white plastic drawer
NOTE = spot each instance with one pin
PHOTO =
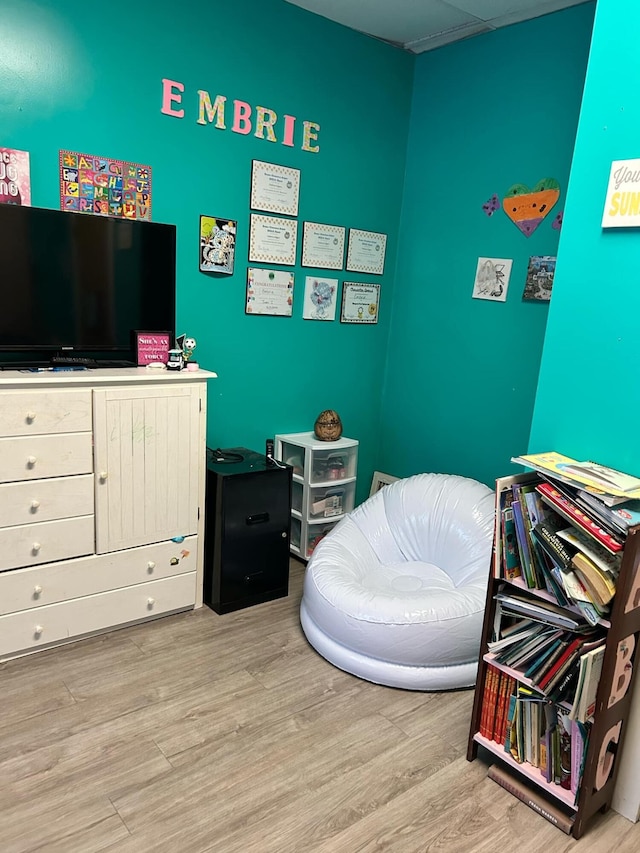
(41, 456)
(31, 544)
(45, 500)
(38, 586)
(315, 533)
(32, 629)
(43, 412)
(331, 501)
(334, 464)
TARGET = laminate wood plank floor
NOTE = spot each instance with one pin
(201, 733)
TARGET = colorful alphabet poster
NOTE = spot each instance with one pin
(104, 186)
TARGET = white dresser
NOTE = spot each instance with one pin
(102, 477)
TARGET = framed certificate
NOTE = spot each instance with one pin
(272, 240)
(366, 251)
(360, 302)
(274, 188)
(269, 292)
(323, 246)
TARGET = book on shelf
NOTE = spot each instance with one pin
(588, 679)
(538, 611)
(510, 553)
(598, 554)
(622, 516)
(531, 798)
(524, 547)
(578, 517)
(558, 549)
(590, 474)
(600, 586)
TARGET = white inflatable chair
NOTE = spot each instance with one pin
(395, 593)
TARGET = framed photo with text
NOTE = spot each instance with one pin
(152, 347)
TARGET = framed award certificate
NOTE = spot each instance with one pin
(360, 302)
(366, 251)
(323, 246)
(272, 240)
(269, 292)
(274, 188)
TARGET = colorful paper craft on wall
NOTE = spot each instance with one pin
(539, 281)
(527, 208)
(492, 279)
(217, 244)
(104, 186)
(491, 205)
(15, 183)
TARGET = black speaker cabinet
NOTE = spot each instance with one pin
(247, 526)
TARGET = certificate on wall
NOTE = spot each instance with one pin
(274, 188)
(366, 251)
(272, 239)
(323, 246)
(360, 302)
(269, 292)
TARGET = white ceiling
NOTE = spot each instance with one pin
(419, 25)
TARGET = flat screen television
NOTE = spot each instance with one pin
(76, 283)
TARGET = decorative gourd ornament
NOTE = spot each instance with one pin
(328, 426)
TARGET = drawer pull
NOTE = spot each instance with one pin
(38, 631)
(31, 416)
(34, 505)
(103, 475)
(37, 590)
(150, 602)
(150, 566)
(31, 461)
(36, 547)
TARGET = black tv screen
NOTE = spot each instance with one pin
(82, 282)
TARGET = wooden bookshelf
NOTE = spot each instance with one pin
(613, 698)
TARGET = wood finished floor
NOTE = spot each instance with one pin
(201, 733)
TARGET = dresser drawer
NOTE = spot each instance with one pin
(45, 500)
(30, 544)
(23, 589)
(33, 629)
(41, 456)
(44, 412)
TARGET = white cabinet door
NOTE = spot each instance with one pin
(147, 460)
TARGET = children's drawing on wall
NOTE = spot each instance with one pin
(557, 222)
(492, 279)
(320, 298)
(217, 244)
(15, 182)
(491, 205)
(540, 275)
(526, 208)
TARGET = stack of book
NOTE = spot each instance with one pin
(562, 533)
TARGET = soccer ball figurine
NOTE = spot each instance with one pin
(187, 345)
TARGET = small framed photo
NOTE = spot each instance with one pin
(380, 480)
(152, 347)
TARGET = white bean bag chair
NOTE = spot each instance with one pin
(395, 593)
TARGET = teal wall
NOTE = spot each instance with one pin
(588, 396)
(487, 112)
(88, 78)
